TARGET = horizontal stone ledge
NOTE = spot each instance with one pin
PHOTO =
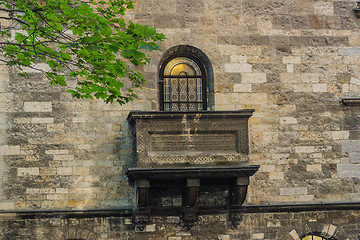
(134, 115)
(169, 211)
(192, 172)
(91, 213)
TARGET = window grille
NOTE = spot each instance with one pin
(184, 86)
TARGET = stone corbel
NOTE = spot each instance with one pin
(142, 212)
(190, 210)
(238, 191)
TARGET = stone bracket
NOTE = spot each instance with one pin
(238, 176)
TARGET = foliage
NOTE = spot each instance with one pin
(84, 41)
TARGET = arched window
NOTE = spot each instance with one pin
(184, 80)
(313, 237)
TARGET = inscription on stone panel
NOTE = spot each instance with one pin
(202, 142)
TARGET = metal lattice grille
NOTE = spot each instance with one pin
(183, 85)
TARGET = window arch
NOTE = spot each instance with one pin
(185, 80)
(313, 237)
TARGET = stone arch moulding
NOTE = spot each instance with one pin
(201, 58)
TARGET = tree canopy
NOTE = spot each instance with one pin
(84, 41)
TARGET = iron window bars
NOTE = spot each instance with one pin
(183, 86)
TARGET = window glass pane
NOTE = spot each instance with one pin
(183, 85)
(182, 66)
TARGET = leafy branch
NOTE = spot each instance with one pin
(84, 41)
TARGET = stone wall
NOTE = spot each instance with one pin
(292, 61)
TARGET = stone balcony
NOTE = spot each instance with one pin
(190, 147)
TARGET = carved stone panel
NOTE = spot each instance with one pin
(190, 139)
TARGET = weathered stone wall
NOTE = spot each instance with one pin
(290, 60)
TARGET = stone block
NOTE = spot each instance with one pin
(319, 87)
(290, 68)
(287, 191)
(169, 21)
(348, 170)
(324, 8)
(42, 120)
(81, 170)
(238, 59)
(37, 106)
(289, 78)
(292, 59)
(294, 235)
(173, 219)
(150, 228)
(62, 190)
(303, 88)
(316, 22)
(310, 77)
(55, 127)
(64, 171)
(304, 149)
(253, 77)
(64, 157)
(78, 119)
(63, 151)
(42, 66)
(238, 68)
(340, 135)
(258, 59)
(28, 171)
(354, 157)
(332, 22)
(9, 150)
(32, 191)
(251, 98)
(55, 197)
(52, 151)
(6, 97)
(276, 175)
(301, 190)
(258, 236)
(224, 237)
(314, 168)
(249, 50)
(22, 120)
(345, 88)
(306, 198)
(288, 120)
(350, 51)
(242, 87)
(350, 146)
(7, 205)
(267, 168)
(355, 81)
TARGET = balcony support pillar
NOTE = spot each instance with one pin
(190, 210)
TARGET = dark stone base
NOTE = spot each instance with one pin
(272, 225)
